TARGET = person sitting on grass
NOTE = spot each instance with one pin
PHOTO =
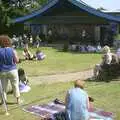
(27, 54)
(118, 54)
(106, 60)
(23, 81)
(40, 55)
(77, 102)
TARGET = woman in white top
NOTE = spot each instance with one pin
(106, 59)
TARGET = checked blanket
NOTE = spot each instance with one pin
(53, 111)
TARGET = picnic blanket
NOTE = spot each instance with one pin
(55, 111)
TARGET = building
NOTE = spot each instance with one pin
(71, 20)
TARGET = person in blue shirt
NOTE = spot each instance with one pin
(8, 68)
(77, 102)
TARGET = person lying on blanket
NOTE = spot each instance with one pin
(77, 102)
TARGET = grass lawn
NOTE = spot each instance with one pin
(106, 95)
(58, 62)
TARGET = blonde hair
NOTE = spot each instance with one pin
(79, 83)
(106, 49)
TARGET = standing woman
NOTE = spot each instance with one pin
(8, 68)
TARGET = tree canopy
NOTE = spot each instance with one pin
(10, 9)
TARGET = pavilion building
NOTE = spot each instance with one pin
(71, 20)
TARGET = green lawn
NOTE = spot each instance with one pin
(58, 62)
(106, 95)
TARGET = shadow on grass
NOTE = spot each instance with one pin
(2, 112)
(40, 98)
(9, 103)
(107, 80)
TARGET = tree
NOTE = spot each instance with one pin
(4, 17)
(10, 9)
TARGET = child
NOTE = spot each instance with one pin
(23, 81)
(40, 55)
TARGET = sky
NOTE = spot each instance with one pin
(107, 4)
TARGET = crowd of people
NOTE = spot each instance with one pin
(24, 40)
(85, 48)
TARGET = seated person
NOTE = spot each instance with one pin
(91, 48)
(40, 55)
(115, 59)
(98, 48)
(77, 102)
(23, 81)
(118, 53)
(73, 47)
(83, 48)
(106, 60)
(27, 54)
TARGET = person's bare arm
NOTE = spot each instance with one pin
(16, 58)
(66, 98)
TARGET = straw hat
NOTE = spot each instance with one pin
(106, 49)
(79, 83)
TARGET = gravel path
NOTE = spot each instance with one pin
(64, 77)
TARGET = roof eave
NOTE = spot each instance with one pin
(79, 4)
(39, 12)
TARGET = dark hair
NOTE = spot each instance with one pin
(5, 41)
(38, 51)
(25, 49)
(21, 71)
